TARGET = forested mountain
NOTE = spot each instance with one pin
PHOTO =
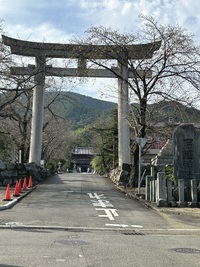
(173, 112)
(82, 118)
(82, 110)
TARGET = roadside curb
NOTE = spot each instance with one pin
(192, 212)
(11, 203)
(141, 200)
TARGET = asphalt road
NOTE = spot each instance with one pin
(82, 220)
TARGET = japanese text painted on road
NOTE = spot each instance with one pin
(104, 205)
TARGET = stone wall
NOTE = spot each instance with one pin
(114, 175)
(11, 172)
(118, 176)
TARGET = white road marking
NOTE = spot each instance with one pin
(14, 223)
(137, 226)
(116, 225)
(95, 195)
(122, 225)
(109, 213)
(101, 203)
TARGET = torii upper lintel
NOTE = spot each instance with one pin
(56, 50)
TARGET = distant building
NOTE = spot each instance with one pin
(153, 151)
(81, 158)
(165, 155)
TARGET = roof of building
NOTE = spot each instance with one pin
(83, 151)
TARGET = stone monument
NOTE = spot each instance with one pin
(186, 156)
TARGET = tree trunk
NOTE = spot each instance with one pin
(143, 109)
(133, 182)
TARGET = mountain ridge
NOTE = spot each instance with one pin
(81, 109)
(84, 110)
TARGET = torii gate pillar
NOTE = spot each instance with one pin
(37, 112)
(123, 127)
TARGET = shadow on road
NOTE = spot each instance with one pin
(54, 179)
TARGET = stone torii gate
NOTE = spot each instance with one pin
(41, 51)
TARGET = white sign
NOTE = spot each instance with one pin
(141, 141)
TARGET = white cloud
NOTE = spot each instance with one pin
(58, 21)
(101, 88)
(124, 14)
(42, 33)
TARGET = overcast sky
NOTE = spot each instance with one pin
(61, 20)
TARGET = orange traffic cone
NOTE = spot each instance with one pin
(24, 184)
(30, 182)
(7, 195)
(16, 190)
(20, 185)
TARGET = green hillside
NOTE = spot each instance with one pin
(174, 112)
(80, 109)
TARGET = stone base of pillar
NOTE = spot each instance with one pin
(124, 173)
(181, 204)
(192, 205)
(162, 203)
(173, 204)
